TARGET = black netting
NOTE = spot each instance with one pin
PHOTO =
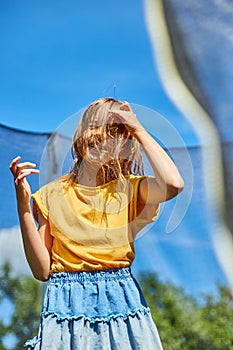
(188, 249)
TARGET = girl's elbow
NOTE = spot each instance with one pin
(42, 276)
(180, 185)
(175, 188)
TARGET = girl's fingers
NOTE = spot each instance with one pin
(27, 172)
(17, 168)
(125, 106)
(13, 165)
(126, 117)
(26, 165)
(32, 171)
(120, 114)
(24, 174)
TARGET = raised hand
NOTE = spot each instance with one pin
(126, 116)
(20, 171)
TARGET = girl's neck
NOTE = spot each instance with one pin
(89, 176)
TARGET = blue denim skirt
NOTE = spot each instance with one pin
(99, 310)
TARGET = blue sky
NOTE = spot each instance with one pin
(58, 56)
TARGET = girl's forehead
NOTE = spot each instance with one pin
(102, 124)
(115, 128)
(94, 129)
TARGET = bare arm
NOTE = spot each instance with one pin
(37, 242)
(168, 181)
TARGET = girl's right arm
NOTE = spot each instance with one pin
(37, 242)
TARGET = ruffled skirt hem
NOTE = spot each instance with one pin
(133, 332)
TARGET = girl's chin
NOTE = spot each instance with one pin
(95, 160)
(97, 155)
(94, 155)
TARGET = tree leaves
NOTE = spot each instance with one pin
(25, 293)
(188, 324)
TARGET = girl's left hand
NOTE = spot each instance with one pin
(126, 116)
(20, 172)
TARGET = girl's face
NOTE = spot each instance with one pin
(102, 142)
(98, 145)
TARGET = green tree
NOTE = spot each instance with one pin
(185, 323)
(216, 320)
(25, 294)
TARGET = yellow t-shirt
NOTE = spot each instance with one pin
(93, 228)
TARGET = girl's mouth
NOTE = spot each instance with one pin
(97, 149)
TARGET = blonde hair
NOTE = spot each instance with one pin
(126, 155)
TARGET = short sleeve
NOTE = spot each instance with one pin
(140, 216)
(40, 201)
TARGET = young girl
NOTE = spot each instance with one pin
(88, 220)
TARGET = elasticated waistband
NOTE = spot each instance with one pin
(91, 276)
